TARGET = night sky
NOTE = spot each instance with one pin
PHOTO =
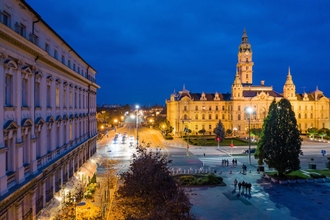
(143, 50)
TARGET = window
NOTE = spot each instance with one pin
(223, 108)
(70, 97)
(216, 108)
(37, 94)
(70, 132)
(6, 19)
(196, 117)
(55, 54)
(69, 63)
(185, 108)
(210, 108)
(210, 127)
(196, 108)
(210, 116)
(299, 116)
(247, 76)
(24, 92)
(47, 47)
(64, 98)
(185, 117)
(75, 99)
(203, 107)
(196, 127)
(74, 67)
(203, 116)
(311, 115)
(305, 115)
(48, 96)
(78, 69)
(247, 59)
(311, 107)
(34, 39)
(216, 116)
(63, 59)
(239, 108)
(239, 117)
(223, 116)
(57, 97)
(9, 90)
(21, 29)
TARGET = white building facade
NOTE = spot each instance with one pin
(48, 111)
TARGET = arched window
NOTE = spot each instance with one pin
(239, 117)
(305, 115)
(196, 116)
(210, 116)
(185, 117)
(203, 116)
(299, 116)
(216, 116)
(311, 115)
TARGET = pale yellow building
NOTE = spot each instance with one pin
(200, 110)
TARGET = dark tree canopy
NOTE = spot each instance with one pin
(280, 142)
(219, 131)
(149, 192)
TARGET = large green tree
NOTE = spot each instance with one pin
(148, 191)
(219, 131)
(280, 144)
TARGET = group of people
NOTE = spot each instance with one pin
(244, 185)
(234, 161)
(225, 162)
(244, 168)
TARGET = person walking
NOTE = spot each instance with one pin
(250, 185)
(243, 186)
(239, 186)
(235, 183)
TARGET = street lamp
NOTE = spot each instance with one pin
(137, 125)
(249, 111)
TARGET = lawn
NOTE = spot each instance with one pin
(198, 179)
(210, 141)
(302, 174)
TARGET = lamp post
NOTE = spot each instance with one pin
(137, 125)
(249, 111)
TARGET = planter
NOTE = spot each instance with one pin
(292, 181)
(261, 168)
(310, 180)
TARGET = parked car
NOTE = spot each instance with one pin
(253, 150)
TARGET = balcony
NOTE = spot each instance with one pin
(39, 204)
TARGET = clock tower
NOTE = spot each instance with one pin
(245, 64)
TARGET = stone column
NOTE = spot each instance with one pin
(18, 210)
(43, 186)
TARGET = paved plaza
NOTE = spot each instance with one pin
(267, 200)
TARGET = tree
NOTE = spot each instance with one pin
(280, 144)
(149, 192)
(219, 131)
(312, 132)
(228, 132)
(166, 127)
(322, 132)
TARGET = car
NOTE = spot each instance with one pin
(253, 150)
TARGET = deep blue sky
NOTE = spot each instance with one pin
(143, 50)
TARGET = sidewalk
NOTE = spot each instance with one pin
(267, 200)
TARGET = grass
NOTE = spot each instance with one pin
(299, 174)
(198, 179)
(210, 141)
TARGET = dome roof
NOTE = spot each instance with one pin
(245, 45)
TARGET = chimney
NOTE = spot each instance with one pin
(262, 82)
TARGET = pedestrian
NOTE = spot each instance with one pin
(222, 162)
(243, 186)
(204, 154)
(227, 162)
(236, 162)
(235, 183)
(233, 162)
(250, 185)
(239, 186)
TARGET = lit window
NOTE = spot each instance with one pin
(57, 91)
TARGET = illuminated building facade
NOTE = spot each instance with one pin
(48, 107)
(200, 110)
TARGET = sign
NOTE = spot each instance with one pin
(232, 145)
(323, 152)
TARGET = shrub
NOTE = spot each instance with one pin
(315, 176)
(187, 180)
